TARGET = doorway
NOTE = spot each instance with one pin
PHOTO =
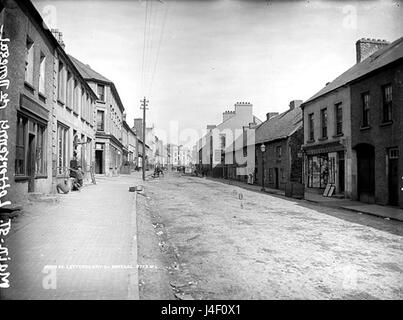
(99, 156)
(393, 177)
(366, 172)
(341, 172)
(276, 179)
(31, 162)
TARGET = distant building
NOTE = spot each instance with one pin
(213, 146)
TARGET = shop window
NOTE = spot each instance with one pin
(387, 103)
(62, 138)
(20, 163)
(29, 61)
(40, 159)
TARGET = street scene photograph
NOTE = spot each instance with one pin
(201, 150)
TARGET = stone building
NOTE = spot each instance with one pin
(353, 127)
(282, 136)
(49, 106)
(109, 145)
(377, 123)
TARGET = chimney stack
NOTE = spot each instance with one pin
(270, 115)
(295, 104)
(366, 46)
(59, 37)
(227, 114)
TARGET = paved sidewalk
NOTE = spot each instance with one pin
(82, 247)
(356, 206)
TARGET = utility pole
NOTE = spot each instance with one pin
(144, 104)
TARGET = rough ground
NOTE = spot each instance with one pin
(224, 242)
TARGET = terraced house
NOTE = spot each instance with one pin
(109, 145)
(353, 129)
(50, 109)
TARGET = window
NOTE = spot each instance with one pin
(76, 97)
(62, 138)
(311, 127)
(42, 75)
(61, 85)
(278, 152)
(40, 158)
(393, 153)
(20, 146)
(323, 117)
(387, 103)
(365, 109)
(339, 119)
(29, 61)
(69, 90)
(82, 103)
(100, 120)
(101, 92)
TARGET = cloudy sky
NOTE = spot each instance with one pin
(195, 59)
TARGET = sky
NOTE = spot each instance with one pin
(195, 59)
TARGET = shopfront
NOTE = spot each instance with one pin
(324, 166)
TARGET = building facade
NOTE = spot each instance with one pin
(109, 147)
(214, 155)
(50, 106)
(282, 136)
(377, 128)
(327, 141)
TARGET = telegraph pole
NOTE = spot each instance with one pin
(144, 104)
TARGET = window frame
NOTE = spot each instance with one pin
(339, 122)
(29, 61)
(365, 104)
(323, 123)
(23, 146)
(311, 127)
(42, 74)
(387, 105)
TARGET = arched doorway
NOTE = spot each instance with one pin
(366, 172)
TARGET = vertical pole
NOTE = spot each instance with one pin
(262, 171)
(144, 139)
(144, 105)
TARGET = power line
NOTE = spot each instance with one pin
(159, 47)
(144, 46)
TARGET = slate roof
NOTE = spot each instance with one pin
(280, 127)
(379, 59)
(87, 72)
